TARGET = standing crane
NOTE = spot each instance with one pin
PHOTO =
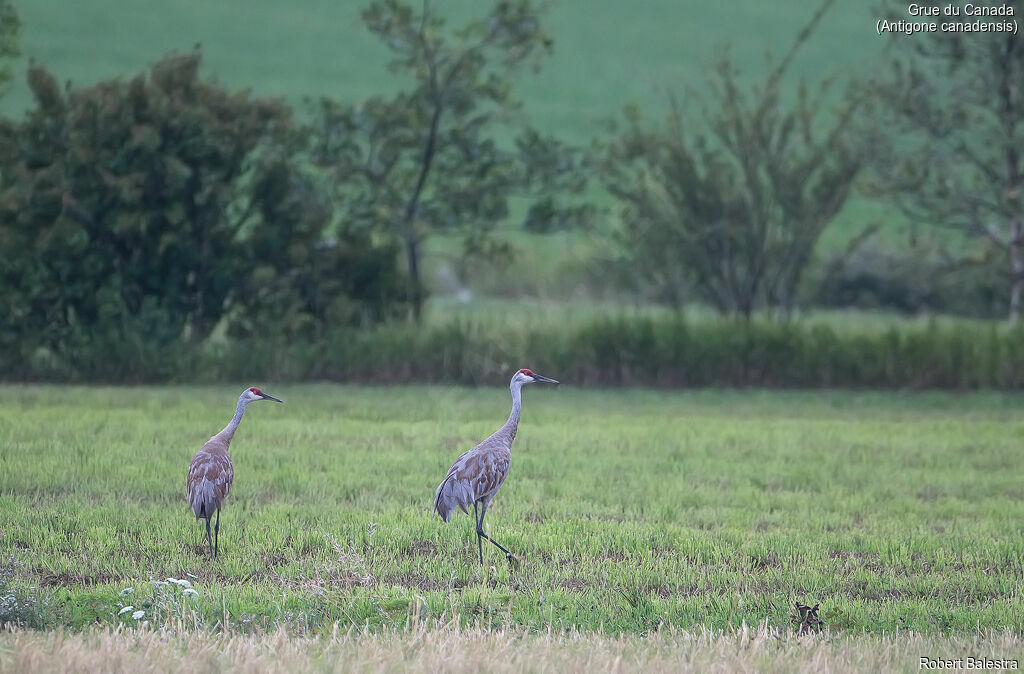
(210, 472)
(477, 475)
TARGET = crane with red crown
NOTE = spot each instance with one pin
(477, 475)
(211, 472)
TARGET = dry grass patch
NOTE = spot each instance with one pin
(453, 649)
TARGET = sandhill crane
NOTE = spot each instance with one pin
(210, 472)
(477, 475)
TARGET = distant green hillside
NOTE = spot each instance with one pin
(606, 52)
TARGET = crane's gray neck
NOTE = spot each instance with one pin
(229, 430)
(508, 431)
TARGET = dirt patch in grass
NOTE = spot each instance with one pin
(418, 581)
(662, 590)
(769, 561)
(857, 560)
(421, 548)
(65, 579)
(576, 584)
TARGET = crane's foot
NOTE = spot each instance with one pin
(513, 560)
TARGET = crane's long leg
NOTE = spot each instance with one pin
(216, 535)
(209, 537)
(480, 532)
(479, 526)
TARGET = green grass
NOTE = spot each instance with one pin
(508, 315)
(630, 509)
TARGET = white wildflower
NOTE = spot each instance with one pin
(180, 583)
(138, 615)
(127, 591)
(189, 592)
(192, 576)
(125, 610)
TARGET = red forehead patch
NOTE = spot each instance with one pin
(528, 373)
(256, 391)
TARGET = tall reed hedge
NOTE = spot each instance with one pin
(605, 351)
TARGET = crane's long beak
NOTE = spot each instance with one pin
(540, 377)
(270, 397)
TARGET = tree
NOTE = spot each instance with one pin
(131, 195)
(950, 138)
(308, 273)
(153, 209)
(732, 203)
(434, 158)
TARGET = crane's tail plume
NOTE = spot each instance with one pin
(446, 499)
(202, 498)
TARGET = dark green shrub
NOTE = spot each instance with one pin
(137, 216)
(910, 281)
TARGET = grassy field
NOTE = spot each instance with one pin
(606, 53)
(447, 649)
(632, 510)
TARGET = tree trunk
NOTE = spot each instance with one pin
(412, 255)
(412, 244)
(1016, 271)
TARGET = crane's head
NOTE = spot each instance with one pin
(525, 376)
(251, 394)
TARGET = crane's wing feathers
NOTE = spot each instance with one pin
(209, 480)
(475, 475)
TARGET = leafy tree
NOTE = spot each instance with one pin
(154, 208)
(952, 121)
(129, 192)
(307, 272)
(732, 202)
(432, 158)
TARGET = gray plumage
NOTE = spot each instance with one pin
(477, 475)
(210, 472)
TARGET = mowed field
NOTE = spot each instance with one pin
(633, 511)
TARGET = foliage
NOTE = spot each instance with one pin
(435, 157)
(309, 271)
(923, 278)
(662, 350)
(734, 211)
(135, 215)
(952, 120)
(126, 199)
(705, 509)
